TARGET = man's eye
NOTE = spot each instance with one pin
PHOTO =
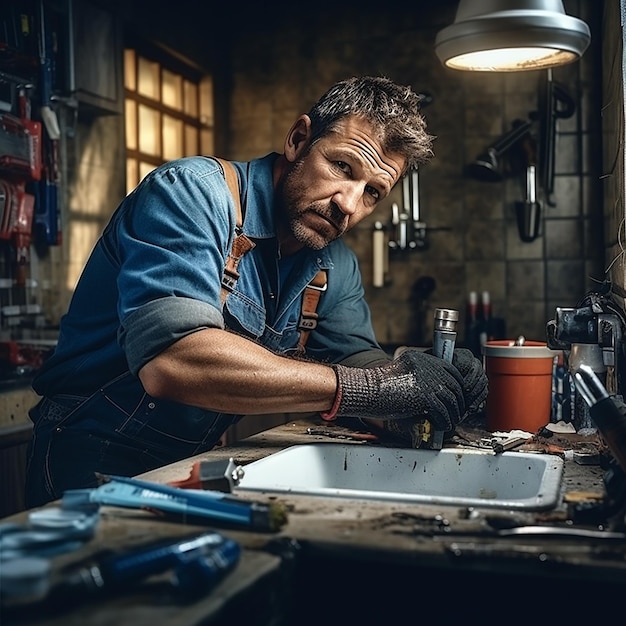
(373, 192)
(344, 167)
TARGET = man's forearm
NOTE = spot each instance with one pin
(219, 370)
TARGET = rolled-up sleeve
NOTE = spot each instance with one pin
(172, 246)
(156, 325)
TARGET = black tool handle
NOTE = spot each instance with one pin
(611, 422)
(608, 413)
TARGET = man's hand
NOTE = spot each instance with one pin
(416, 386)
(475, 386)
(474, 389)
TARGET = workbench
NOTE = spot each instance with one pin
(342, 561)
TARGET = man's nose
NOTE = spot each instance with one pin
(347, 198)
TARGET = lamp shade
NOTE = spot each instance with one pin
(511, 35)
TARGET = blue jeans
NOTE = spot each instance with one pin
(119, 430)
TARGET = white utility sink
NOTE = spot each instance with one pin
(454, 476)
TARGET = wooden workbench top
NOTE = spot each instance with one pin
(397, 535)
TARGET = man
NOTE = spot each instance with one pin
(151, 367)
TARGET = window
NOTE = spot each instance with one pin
(169, 114)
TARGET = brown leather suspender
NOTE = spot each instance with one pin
(242, 244)
(310, 300)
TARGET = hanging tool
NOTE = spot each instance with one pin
(487, 167)
(410, 230)
(555, 103)
(47, 214)
(529, 210)
(380, 249)
(20, 147)
(16, 219)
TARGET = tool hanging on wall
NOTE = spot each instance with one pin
(47, 221)
(380, 254)
(555, 103)
(529, 210)
(16, 220)
(47, 227)
(20, 164)
(536, 163)
(488, 166)
(20, 147)
(520, 148)
(410, 231)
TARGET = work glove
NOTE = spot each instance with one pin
(475, 390)
(416, 386)
(475, 386)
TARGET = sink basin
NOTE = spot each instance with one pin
(454, 476)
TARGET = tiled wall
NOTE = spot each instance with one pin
(273, 66)
(279, 69)
(613, 144)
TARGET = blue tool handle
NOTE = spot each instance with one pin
(206, 503)
(198, 564)
(199, 575)
(118, 570)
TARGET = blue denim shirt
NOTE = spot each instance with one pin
(154, 276)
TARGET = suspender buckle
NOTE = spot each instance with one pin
(308, 322)
(229, 281)
(323, 287)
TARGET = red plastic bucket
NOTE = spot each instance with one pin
(520, 384)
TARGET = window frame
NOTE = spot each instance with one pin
(197, 129)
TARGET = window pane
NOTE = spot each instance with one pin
(206, 101)
(130, 73)
(206, 141)
(176, 122)
(131, 124)
(172, 138)
(82, 237)
(148, 79)
(172, 90)
(191, 140)
(191, 99)
(149, 131)
(132, 175)
(144, 170)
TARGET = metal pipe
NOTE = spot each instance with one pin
(444, 340)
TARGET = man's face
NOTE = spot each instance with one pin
(337, 183)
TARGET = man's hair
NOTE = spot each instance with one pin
(391, 108)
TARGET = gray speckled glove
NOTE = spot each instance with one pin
(475, 386)
(414, 386)
(475, 391)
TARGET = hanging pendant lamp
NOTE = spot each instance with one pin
(511, 35)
